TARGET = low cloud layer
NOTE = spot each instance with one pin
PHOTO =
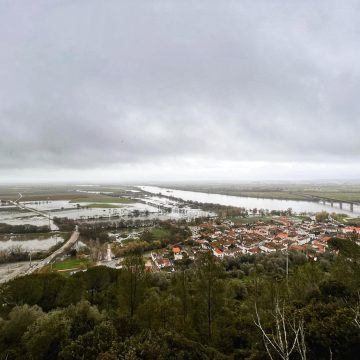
(123, 84)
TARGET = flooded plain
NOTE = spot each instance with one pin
(251, 203)
(29, 242)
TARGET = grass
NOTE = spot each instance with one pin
(159, 233)
(102, 206)
(278, 195)
(71, 263)
(352, 221)
(53, 193)
(337, 195)
(102, 199)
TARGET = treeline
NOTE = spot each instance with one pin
(17, 254)
(64, 224)
(23, 229)
(218, 209)
(205, 310)
(226, 211)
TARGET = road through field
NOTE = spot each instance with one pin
(67, 246)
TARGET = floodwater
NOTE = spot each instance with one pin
(49, 205)
(22, 217)
(150, 207)
(40, 244)
(251, 203)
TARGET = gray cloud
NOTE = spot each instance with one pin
(87, 83)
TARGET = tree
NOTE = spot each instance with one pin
(91, 344)
(285, 337)
(322, 216)
(134, 270)
(12, 330)
(83, 318)
(181, 280)
(209, 289)
(97, 279)
(47, 335)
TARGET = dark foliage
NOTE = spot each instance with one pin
(205, 310)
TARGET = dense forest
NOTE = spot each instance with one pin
(239, 308)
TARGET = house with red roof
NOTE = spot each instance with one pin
(218, 253)
(177, 253)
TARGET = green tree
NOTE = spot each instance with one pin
(322, 216)
(91, 344)
(209, 290)
(47, 336)
(134, 271)
(12, 330)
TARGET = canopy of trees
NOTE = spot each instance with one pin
(209, 309)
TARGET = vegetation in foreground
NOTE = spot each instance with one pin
(206, 310)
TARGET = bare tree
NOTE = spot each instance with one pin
(286, 337)
(357, 312)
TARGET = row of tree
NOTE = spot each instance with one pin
(23, 229)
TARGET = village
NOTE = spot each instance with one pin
(227, 239)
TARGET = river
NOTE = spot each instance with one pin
(251, 203)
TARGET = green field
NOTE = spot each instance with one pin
(102, 199)
(159, 233)
(65, 192)
(352, 221)
(72, 263)
(103, 206)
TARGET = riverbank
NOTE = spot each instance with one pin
(297, 206)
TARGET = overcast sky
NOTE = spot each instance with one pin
(179, 90)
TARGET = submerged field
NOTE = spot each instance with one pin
(31, 242)
(74, 193)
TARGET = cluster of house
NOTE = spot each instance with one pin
(230, 240)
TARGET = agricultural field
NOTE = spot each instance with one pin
(284, 191)
(104, 199)
(351, 221)
(102, 206)
(38, 204)
(65, 192)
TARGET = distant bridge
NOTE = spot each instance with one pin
(330, 201)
